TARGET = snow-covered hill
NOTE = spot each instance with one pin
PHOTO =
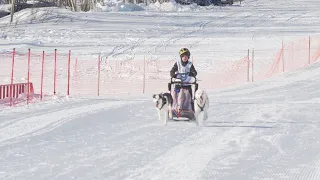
(263, 130)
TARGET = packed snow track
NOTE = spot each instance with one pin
(259, 131)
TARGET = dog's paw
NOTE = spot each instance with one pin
(197, 122)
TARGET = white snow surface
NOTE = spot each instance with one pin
(262, 130)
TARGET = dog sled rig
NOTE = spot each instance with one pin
(183, 103)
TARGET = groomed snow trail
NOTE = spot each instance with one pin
(263, 130)
(250, 134)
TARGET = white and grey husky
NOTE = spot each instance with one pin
(163, 105)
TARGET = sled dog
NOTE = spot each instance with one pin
(163, 103)
(201, 104)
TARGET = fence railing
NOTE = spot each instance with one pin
(14, 91)
(57, 73)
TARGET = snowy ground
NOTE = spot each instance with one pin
(216, 36)
(214, 33)
(262, 130)
(266, 130)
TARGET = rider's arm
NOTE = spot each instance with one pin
(174, 70)
(193, 71)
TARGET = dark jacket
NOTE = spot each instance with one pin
(174, 69)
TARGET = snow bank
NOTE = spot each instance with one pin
(117, 7)
(172, 6)
(4, 7)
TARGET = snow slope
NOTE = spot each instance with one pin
(216, 36)
(213, 34)
(261, 130)
(267, 130)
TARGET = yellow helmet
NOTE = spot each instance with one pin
(184, 51)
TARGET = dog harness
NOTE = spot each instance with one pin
(163, 103)
(201, 107)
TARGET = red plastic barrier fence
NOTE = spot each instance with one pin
(291, 56)
(61, 73)
(13, 91)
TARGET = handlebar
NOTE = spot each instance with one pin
(181, 82)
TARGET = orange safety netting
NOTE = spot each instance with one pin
(62, 73)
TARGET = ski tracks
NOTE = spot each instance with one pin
(173, 35)
(188, 159)
(9, 118)
(42, 123)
